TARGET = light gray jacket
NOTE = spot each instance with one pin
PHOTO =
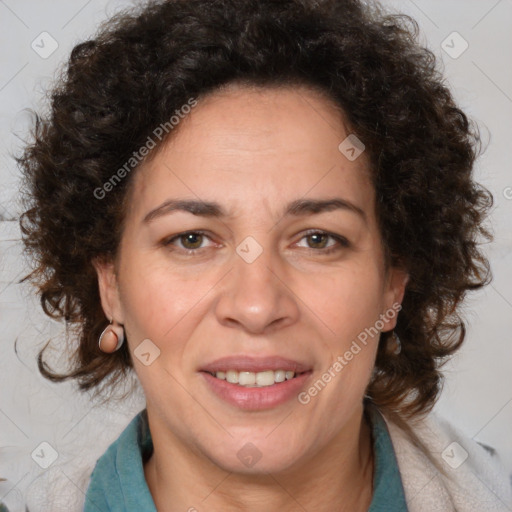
(475, 480)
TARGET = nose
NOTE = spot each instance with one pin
(258, 296)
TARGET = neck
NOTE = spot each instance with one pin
(338, 477)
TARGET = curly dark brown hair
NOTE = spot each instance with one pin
(144, 64)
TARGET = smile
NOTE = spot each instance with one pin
(254, 379)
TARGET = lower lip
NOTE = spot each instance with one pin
(255, 399)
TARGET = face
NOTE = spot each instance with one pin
(282, 272)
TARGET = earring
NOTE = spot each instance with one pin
(112, 338)
(396, 344)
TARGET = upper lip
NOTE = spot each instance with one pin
(255, 364)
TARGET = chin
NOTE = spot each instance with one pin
(259, 456)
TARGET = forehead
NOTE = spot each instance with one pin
(253, 119)
(280, 143)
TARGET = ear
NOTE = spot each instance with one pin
(109, 290)
(397, 280)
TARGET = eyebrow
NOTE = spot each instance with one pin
(296, 208)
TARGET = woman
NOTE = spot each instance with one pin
(266, 210)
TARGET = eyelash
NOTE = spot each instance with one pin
(343, 242)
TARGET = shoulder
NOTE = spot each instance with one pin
(106, 482)
(446, 470)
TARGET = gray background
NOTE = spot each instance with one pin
(477, 396)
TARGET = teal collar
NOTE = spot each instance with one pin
(388, 491)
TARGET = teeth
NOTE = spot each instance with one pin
(246, 378)
(280, 376)
(255, 380)
(231, 376)
(265, 378)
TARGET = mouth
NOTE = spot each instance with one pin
(250, 379)
(256, 383)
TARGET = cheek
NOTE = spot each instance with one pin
(346, 301)
(158, 302)
(161, 306)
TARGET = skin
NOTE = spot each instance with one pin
(245, 148)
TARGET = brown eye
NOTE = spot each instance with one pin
(191, 240)
(318, 240)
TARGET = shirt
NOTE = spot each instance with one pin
(118, 484)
